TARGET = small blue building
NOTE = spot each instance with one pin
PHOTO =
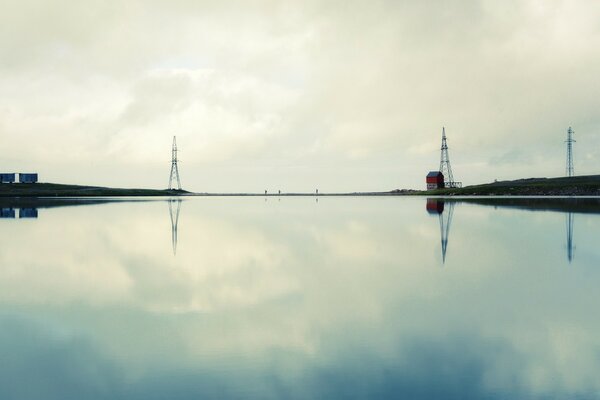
(28, 178)
(7, 178)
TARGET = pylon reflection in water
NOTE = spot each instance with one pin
(570, 220)
(445, 211)
(174, 209)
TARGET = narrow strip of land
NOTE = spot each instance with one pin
(574, 186)
(58, 190)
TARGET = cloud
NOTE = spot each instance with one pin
(266, 85)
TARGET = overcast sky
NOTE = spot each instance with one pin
(298, 95)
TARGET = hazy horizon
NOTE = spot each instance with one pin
(294, 96)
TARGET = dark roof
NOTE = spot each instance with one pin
(434, 174)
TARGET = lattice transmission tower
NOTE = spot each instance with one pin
(570, 141)
(174, 169)
(445, 167)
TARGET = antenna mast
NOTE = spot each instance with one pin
(570, 141)
(174, 170)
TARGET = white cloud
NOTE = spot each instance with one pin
(265, 86)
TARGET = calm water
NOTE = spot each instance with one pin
(254, 298)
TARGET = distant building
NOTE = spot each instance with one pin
(7, 178)
(28, 178)
(435, 180)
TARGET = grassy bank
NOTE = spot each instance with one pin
(575, 186)
(56, 190)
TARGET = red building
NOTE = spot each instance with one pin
(435, 180)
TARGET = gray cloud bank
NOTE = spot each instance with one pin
(340, 95)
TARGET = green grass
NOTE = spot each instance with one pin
(575, 186)
(57, 190)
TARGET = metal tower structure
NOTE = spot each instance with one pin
(174, 170)
(445, 167)
(570, 246)
(174, 213)
(570, 141)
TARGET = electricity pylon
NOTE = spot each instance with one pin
(445, 167)
(174, 169)
(570, 141)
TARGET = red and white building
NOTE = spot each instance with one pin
(435, 180)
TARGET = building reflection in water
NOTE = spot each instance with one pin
(444, 208)
(9, 212)
(174, 209)
(28, 212)
(444, 211)
(570, 219)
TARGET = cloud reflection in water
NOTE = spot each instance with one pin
(295, 299)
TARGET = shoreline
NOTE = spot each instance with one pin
(579, 186)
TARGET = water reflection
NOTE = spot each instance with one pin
(10, 213)
(28, 212)
(569, 206)
(27, 208)
(570, 247)
(174, 209)
(577, 205)
(292, 300)
(437, 206)
(7, 213)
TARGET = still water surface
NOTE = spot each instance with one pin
(294, 298)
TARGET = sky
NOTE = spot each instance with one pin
(297, 95)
